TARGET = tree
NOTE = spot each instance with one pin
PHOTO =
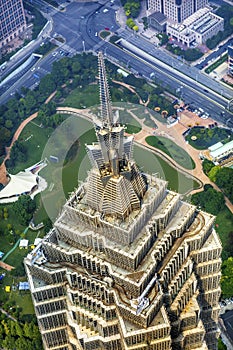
(47, 224)
(18, 271)
(24, 208)
(47, 85)
(224, 179)
(209, 200)
(8, 124)
(8, 343)
(18, 154)
(130, 23)
(30, 102)
(5, 136)
(207, 165)
(213, 172)
(76, 67)
(227, 278)
(221, 345)
(18, 329)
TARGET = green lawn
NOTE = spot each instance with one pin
(132, 125)
(23, 300)
(224, 225)
(34, 138)
(151, 163)
(178, 154)
(132, 129)
(143, 112)
(83, 97)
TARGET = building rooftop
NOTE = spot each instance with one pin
(222, 149)
(158, 16)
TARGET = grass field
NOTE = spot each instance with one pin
(152, 163)
(34, 139)
(143, 112)
(82, 97)
(224, 225)
(178, 154)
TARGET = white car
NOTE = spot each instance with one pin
(105, 10)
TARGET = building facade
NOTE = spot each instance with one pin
(199, 27)
(12, 20)
(230, 60)
(128, 265)
(176, 10)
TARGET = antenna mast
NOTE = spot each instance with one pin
(105, 100)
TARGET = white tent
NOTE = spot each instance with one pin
(21, 183)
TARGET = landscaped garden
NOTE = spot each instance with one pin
(202, 138)
(178, 154)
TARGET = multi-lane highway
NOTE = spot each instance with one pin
(80, 25)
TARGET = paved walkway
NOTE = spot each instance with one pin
(8, 315)
(174, 133)
(3, 171)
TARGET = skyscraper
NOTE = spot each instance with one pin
(12, 20)
(128, 264)
(177, 10)
(230, 60)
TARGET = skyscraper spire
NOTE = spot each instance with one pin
(105, 100)
(128, 265)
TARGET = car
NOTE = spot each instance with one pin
(105, 10)
(205, 90)
(96, 33)
(106, 28)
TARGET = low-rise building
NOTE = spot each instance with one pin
(219, 153)
(199, 27)
(158, 21)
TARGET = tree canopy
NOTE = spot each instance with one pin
(16, 335)
(24, 208)
(209, 200)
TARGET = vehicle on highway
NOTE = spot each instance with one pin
(105, 10)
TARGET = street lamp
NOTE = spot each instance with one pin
(84, 46)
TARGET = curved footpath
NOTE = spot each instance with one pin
(3, 171)
(172, 133)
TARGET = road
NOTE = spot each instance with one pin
(80, 26)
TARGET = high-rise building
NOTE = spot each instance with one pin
(176, 10)
(128, 264)
(12, 20)
(230, 60)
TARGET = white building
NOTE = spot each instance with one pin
(199, 27)
(220, 152)
(176, 10)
